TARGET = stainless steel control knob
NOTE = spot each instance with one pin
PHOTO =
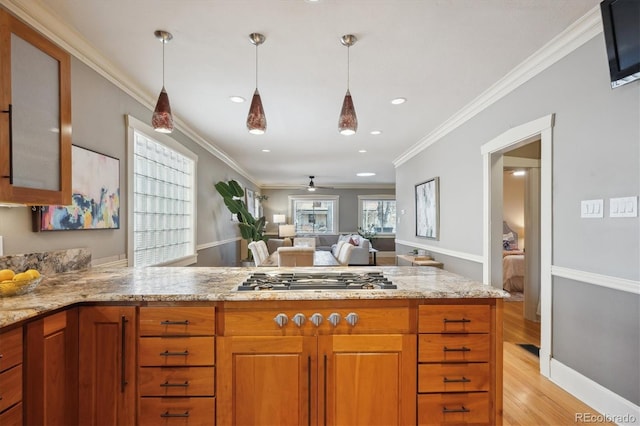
(316, 319)
(281, 319)
(299, 319)
(352, 318)
(334, 319)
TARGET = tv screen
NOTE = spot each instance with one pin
(621, 26)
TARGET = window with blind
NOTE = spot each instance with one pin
(162, 199)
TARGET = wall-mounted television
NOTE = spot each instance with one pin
(621, 26)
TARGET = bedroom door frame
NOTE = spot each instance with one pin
(492, 153)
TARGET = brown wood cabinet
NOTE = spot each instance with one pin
(460, 362)
(35, 116)
(11, 350)
(177, 365)
(107, 376)
(51, 369)
(354, 365)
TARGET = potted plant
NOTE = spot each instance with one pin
(368, 234)
(251, 229)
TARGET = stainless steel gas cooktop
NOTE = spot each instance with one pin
(317, 281)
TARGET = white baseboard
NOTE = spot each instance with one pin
(612, 406)
(116, 261)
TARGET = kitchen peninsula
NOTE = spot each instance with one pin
(170, 344)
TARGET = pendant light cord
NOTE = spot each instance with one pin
(348, 66)
(256, 67)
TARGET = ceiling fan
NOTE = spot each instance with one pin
(312, 186)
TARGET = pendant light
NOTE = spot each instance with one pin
(348, 123)
(256, 120)
(162, 120)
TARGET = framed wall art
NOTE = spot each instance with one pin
(95, 200)
(250, 201)
(428, 209)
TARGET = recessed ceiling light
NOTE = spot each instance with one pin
(362, 151)
(376, 132)
(312, 1)
(365, 174)
(266, 150)
(398, 101)
(237, 99)
(518, 173)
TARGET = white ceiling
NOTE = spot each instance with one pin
(439, 54)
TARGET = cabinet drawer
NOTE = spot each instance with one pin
(177, 411)
(454, 318)
(453, 408)
(12, 417)
(10, 387)
(453, 347)
(176, 381)
(10, 349)
(177, 351)
(457, 377)
(185, 321)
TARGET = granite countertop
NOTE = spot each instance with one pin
(177, 284)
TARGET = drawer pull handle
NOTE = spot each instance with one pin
(167, 353)
(463, 320)
(168, 414)
(174, 385)
(461, 380)
(462, 349)
(462, 409)
(167, 322)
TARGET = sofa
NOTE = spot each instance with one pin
(360, 252)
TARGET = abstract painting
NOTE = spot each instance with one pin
(427, 220)
(95, 185)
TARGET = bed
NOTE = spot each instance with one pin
(512, 261)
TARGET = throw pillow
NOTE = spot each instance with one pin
(355, 241)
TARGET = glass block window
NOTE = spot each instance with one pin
(163, 204)
(377, 213)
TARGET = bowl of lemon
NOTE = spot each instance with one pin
(15, 284)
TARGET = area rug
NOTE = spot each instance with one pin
(531, 348)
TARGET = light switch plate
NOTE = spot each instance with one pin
(591, 209)
(623, 207)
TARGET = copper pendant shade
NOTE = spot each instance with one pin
(348, 122)
(256, 120)
(162, 119)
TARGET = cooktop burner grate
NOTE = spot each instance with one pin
(317, 281)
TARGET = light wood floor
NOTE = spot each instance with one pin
(529, 398)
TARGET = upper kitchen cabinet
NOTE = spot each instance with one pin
(35, 123)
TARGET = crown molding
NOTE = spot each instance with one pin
(38, 16)
(336, 186)
(574, 36)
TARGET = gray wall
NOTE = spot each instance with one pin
(596, 154)
(278, 203)
(98, 117)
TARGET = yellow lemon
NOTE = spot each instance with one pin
(33, 272)
(8, 288)
(6, 274)
(22, 276)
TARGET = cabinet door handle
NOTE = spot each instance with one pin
(123, 349)
(462, 409)
(461, 380)
(174, 385)
(167, 353)
(167, 322)
(324, 408)
(462, 349)
(463, 320)
(10, 112)
(309, 390)
(168, 414)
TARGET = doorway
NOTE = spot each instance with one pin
(493, 168)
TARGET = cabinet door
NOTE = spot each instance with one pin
(107, 365)
(35, 123)
(367, 379)
(51, 370)
(266, 380)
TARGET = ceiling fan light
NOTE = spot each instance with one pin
(348, 124)
(256, 120)
(311, 188)
(162, 120)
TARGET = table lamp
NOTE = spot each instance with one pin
(286, 231)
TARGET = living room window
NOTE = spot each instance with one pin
(377, 213)
(162, 198)
(313, 214)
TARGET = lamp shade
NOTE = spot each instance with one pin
(348, 124)
(162, 120)
(287, 231)
(256, 121)
(279, 218)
